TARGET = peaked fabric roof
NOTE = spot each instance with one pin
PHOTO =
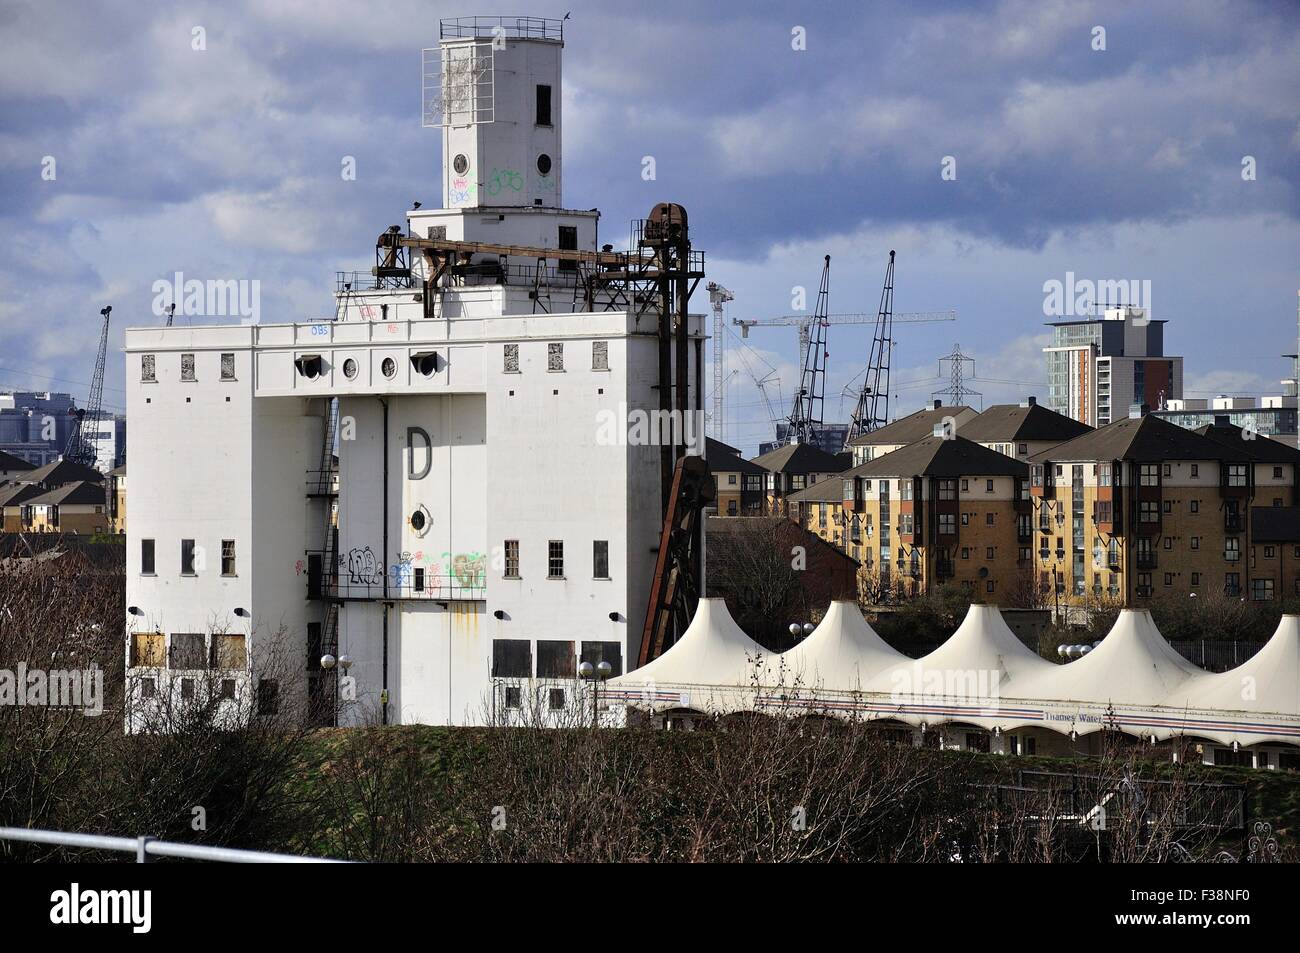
(1267, 682)
(802, 458)
(983, 652)
(1014, 422)
(1134, 665)
(713, 650)
(842, 654)
(913, 426)
(1148, 439)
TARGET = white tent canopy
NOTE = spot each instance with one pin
(983, 653)
(1134, 665)
(842, 654)
(1267, 682)
(713, 651)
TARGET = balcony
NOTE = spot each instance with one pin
(1232, 522)
(1144, 591)
(358, 578)
(1146, 560)
(1232, 555)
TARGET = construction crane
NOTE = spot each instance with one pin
(79, 449)
(718, 296)
(806, 415)
(871, 410)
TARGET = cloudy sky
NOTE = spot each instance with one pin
(1122, 163)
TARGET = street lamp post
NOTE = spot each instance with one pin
(595, 674)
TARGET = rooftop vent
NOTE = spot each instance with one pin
(1136, 411)
(1029, 401)
(937, 404)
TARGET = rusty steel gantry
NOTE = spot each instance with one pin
(655, 277)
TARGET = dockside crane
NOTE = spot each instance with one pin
(79, 449)
(806, 415)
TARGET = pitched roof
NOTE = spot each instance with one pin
(1146, 438)
(1017, 422)
(942, 457)
(1259, 448)
(802, 458)
(909, 428)
(9, 462)
(62, 471)
(13, 494)
(830, 490)
(81, 493)
(724, 459)
(1275, 524)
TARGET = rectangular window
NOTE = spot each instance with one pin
(189, 651)
(418, 580)
(611, 652)
(600, 558)
(148, 368)
(1261, 590)
(555, 356)
(514, 696)
(988, 519)
(568, 241)
(947, 489)
(512, 559)
(1148, 511)
(228, 651)
(228, 367)
(227, 688)
(1236, 474)
(268, 696)
(1196, 579)
(543, 105)
(555, 659)
(510, 354)
(555, 559)
(187, 557)
(146, 557)
(148, 649)
(555, 699)
(947, 524)
(187, 689)
(187, 367)
(988, 486)
(512, 658)
(600, 355)
(1194, 506)
(227, 557)
(1149, 474)
(1196, 542)
(1196, 469)
(1277, 473)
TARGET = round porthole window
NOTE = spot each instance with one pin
(544, 164)
(460, 164)
(389, 367)
(420, 521)
(350, 369)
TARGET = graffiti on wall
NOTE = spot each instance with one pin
(503, 180)
(363, 567)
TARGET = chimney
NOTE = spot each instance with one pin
(1137, 411)
(1222, 420)
(1029, 401)
(937, 404)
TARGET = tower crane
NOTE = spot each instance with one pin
(718, 296)
(79, 449)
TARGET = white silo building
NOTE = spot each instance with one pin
(438, 482)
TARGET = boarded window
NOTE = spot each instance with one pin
(512, 559)
(148, 649)
(227, 367)
(187, 557)
(512, 358)
(228, 651)
(600, 559)
(187, 367)
(555, 659)
(148, 367)
(227, 557)
(512, 658)
(600, 355)
(147, 557)
(555, 356)
(189, 650)
(611, 652)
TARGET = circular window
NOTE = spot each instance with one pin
(389, 367)
(421, 521)
(544, 164)
(460, 164)
(350, 369)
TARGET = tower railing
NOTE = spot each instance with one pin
(521, 28)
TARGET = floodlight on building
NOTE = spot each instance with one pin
(242, 613)
(499, 614)
(134, 610)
